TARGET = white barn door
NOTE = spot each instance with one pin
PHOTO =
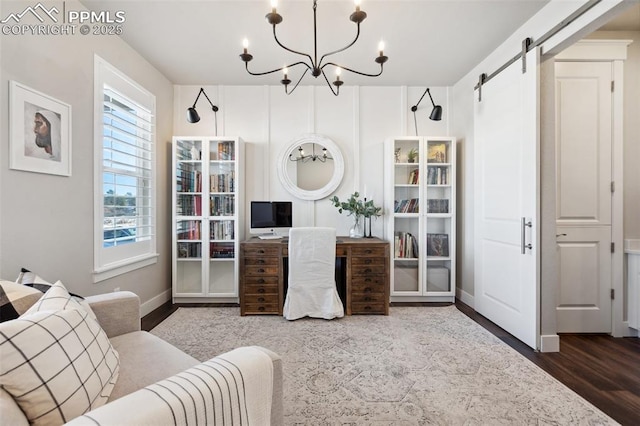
(506, 150)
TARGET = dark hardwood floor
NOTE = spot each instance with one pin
(603, 370)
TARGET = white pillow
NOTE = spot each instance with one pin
(57, 363)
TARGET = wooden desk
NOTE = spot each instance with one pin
(366, 275)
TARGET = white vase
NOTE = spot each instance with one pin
(356, 230)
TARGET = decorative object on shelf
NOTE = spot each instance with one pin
(316, 67)
(396, 155)
(357, 208)
(436, 112)
(437, 153)
(313, 157)
(40, 132)
(412, 155)
(194, 117)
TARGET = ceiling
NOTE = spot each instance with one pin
(428, 42)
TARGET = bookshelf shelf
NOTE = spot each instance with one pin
(207, 218)
(422, 226)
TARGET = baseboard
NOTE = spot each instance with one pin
(154, 303)
(465, 297)
(549, 343)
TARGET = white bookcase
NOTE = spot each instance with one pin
(420, 198)
(207, 213)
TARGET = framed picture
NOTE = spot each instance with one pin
(438, 245)
(40, 126)
(437, 153)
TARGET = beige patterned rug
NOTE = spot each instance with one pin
(418, 366)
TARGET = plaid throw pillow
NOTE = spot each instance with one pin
(15, 299)
(57, 363)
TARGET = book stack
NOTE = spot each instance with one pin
(414, 177)
(222, 205)
(226, 151)
(438, 176)
(405, 245)
(221, 251)
(437, 206)
(223, 182)
(189, 250)
(406, 206)
(222, 230)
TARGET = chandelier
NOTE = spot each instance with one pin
(317, 67)
(313, 157)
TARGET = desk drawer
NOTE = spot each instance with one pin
(374, 284)
(368, 251)
(261, 270)
(359, 261)
(248, 289)
(261, 308)
(367, 298)
(368, 308)
(261, 299)
(261, 251)
(373, 269)
(271, 261)
(271, 280)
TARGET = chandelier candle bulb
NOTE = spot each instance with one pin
(245, 45)
(381, 47)
(357, 3)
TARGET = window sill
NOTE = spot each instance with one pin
(120, 268)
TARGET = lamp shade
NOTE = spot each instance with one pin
(436, 113)
(192, 115)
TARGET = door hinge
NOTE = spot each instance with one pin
(613, 86)
(613, 247)
(613, 187)
(613, 294)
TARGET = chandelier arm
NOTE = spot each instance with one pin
(298, 82)
(354, 71)
(335, 92)
(246, 64)
(340, 50)
(275, 36)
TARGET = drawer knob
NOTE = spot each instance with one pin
(367, 289)
(368, 251)
(368, 280)
(261, 280)
(367, 299)
(260, 261)
(261, 308)
(368, 270)
(261, 251)
(368, 261)
(261, 270)
(367, 308)
(261, 290)
(260, 299)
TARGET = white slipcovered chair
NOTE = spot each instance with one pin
(312, 286)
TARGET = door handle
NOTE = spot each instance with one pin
(561, 235)
(523, 245)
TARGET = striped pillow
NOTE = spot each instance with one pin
(57, 363)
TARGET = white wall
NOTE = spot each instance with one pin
(358, 121)
(46, 221)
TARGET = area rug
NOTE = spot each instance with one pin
(417, 366)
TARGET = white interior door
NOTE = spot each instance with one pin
(583, 196)
(506, 146)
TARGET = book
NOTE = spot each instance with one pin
(437, 153)
(437, 206)
(438, 245)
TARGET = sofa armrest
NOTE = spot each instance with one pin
(118, 312)
(200, 395)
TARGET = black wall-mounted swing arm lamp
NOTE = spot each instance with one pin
(194, 117)
(436, 112)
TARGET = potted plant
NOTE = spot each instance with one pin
(412, 155)
(356, 208)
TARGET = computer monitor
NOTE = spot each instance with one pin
(271, 217)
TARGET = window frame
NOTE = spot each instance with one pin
(113, 261)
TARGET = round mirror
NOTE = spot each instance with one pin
(311, 167)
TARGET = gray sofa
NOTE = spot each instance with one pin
(144, 360)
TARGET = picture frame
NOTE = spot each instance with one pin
(40, 132)
(437, 153)
(438, 245)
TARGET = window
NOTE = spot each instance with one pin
(125, 217)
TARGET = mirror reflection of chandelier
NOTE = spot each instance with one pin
(313, 157)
